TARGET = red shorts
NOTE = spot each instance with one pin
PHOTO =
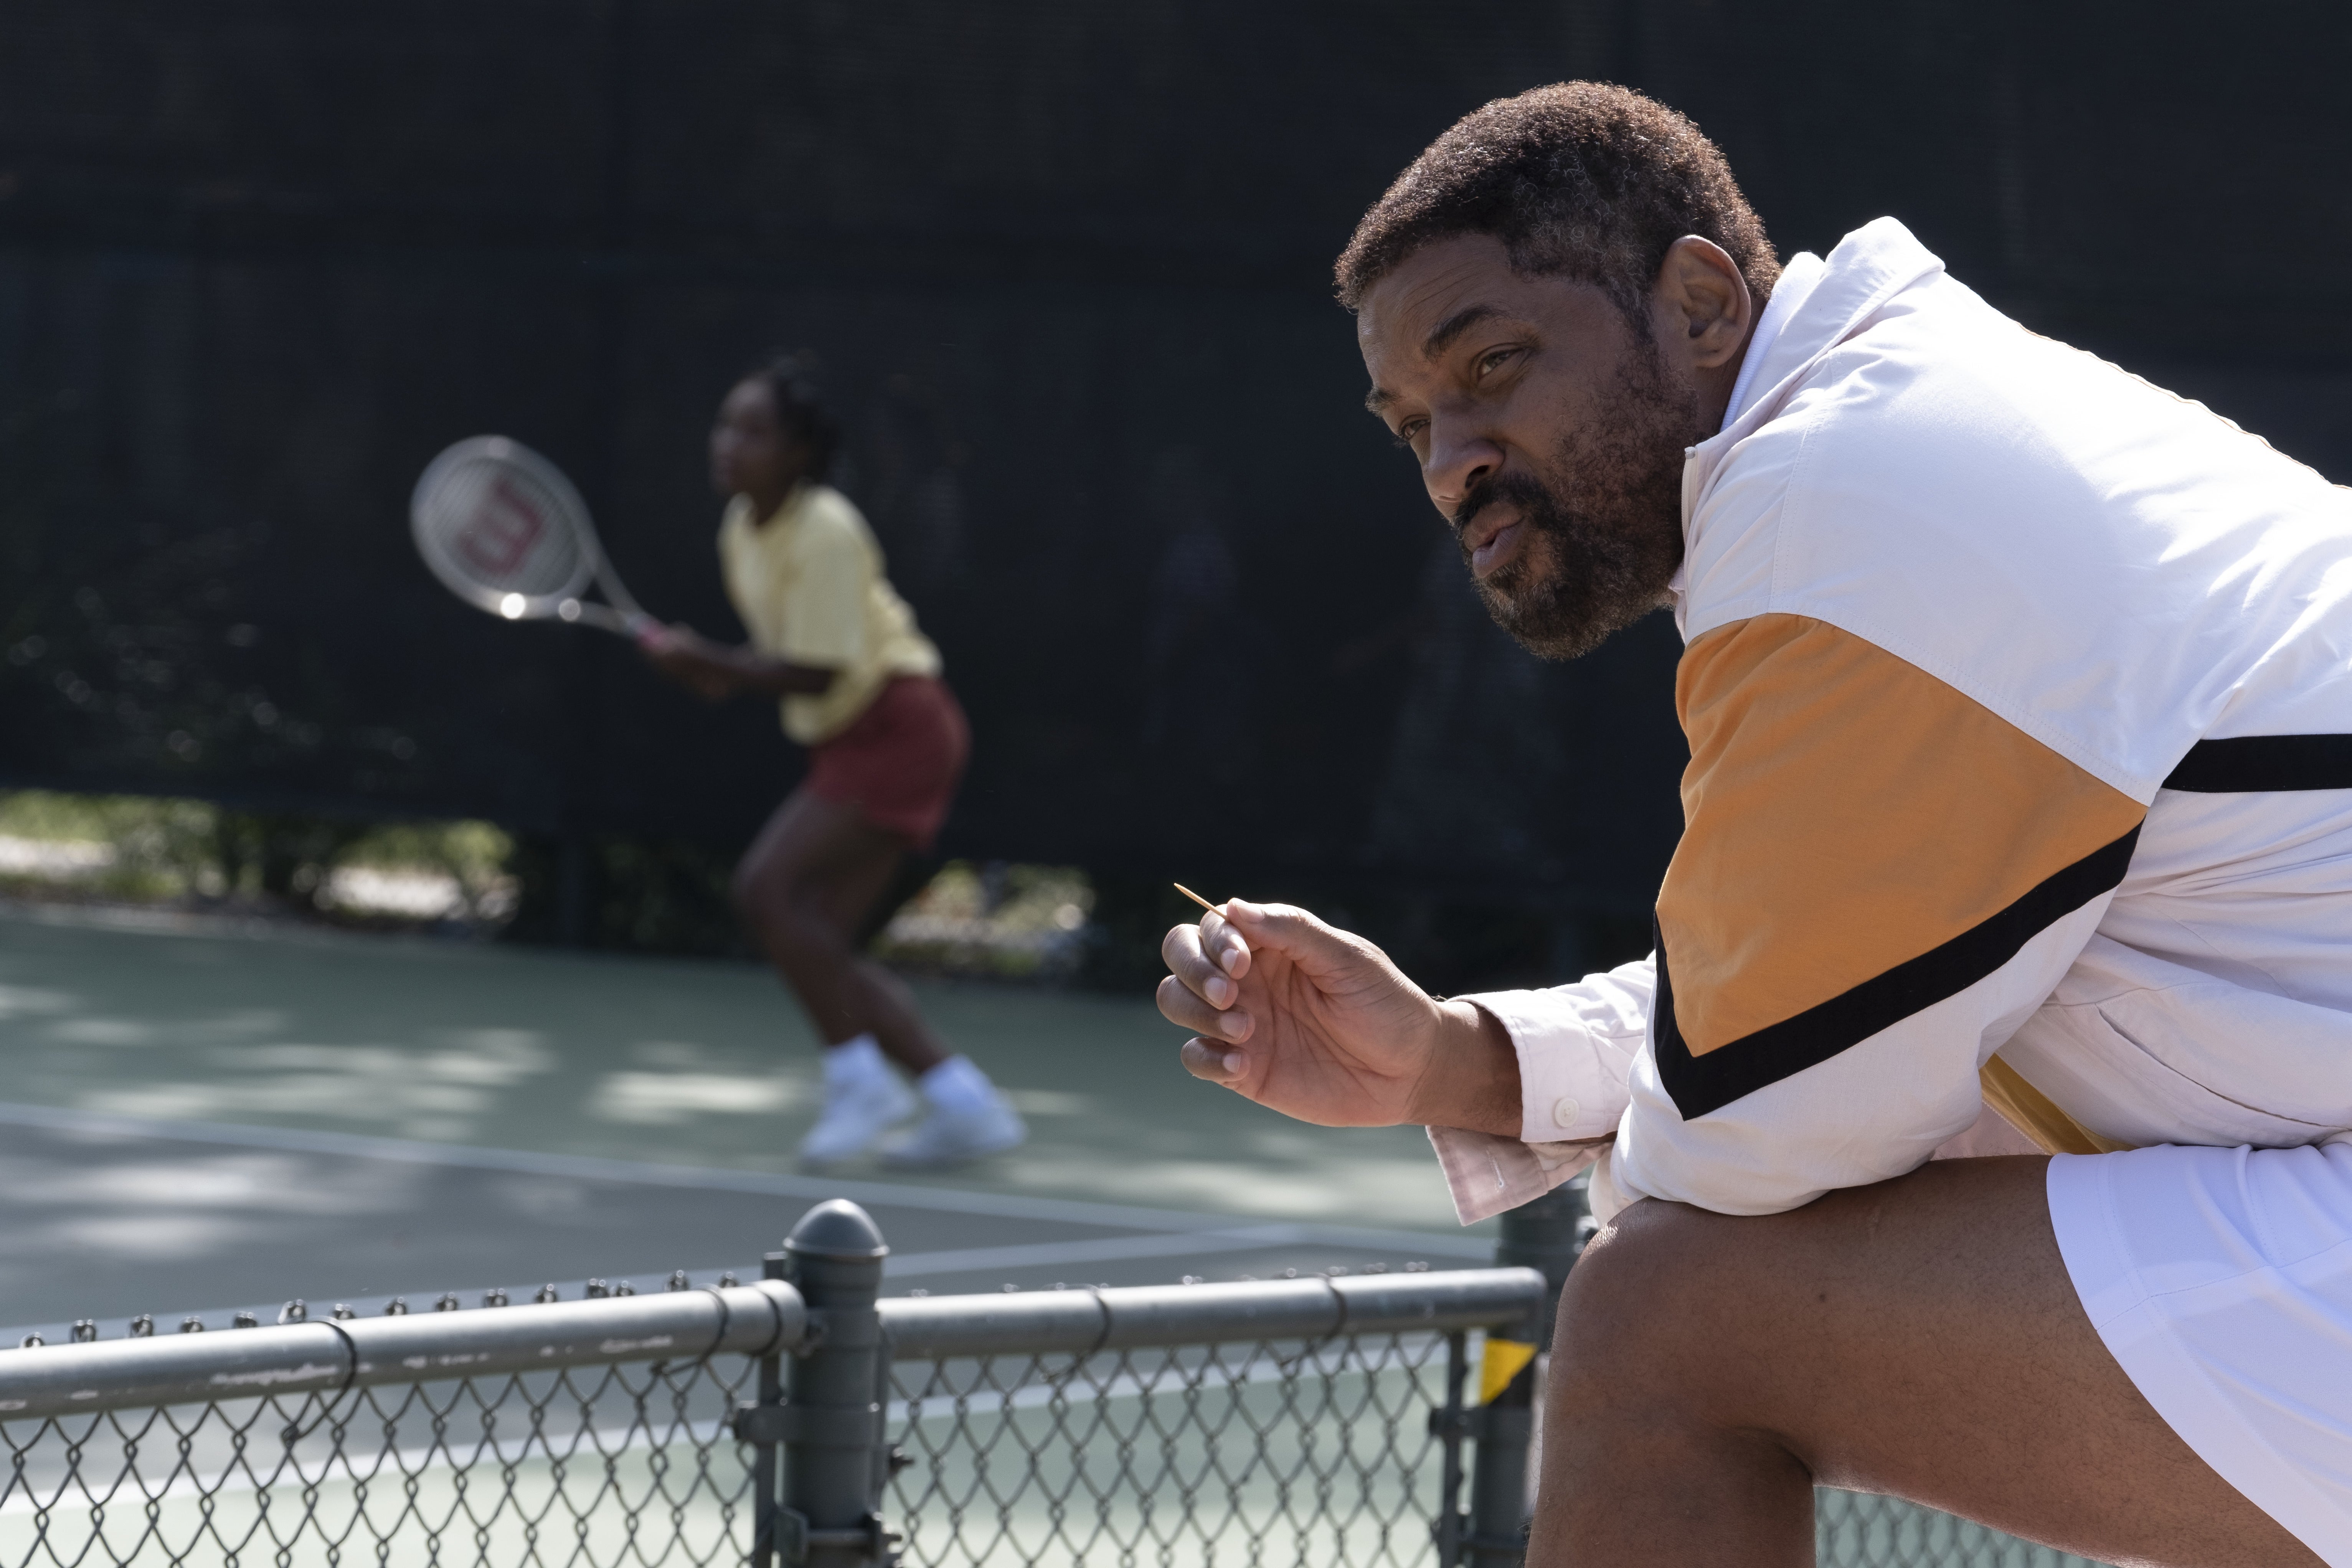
(900, 759)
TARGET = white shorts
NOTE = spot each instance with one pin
(2221, 1279)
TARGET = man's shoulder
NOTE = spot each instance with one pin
(2033, 526)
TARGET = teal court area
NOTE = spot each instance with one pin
(198, 1118)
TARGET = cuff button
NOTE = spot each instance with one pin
(1565, 1110)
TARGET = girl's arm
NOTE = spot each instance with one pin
(715, 670)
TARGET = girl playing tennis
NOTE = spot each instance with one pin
(861, 687)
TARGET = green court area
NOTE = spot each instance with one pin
(198, 1116)
(199, 1120)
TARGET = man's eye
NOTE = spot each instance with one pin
(1494, 358)
(1406, 433)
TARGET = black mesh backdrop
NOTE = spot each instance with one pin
(1064, 269)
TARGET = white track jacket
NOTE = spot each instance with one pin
(2018, 694)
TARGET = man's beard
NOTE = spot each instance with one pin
(1595, 568)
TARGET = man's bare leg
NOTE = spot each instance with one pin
(1919, 1337)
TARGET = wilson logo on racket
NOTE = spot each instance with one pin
(500, 536)
(504, 531)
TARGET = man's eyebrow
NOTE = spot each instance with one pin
(1454, 326)
(1445, 333)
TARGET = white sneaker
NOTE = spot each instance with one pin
(854, 1115)
(955, 1136)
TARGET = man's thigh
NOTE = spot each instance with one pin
(1919, 1337)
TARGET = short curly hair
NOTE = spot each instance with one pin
(1581, 180)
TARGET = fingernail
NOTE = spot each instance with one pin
(1234, 1024)
(1221, 990)
(1233, 1063)
(1237, 907)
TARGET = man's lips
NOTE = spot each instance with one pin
(1492, 540)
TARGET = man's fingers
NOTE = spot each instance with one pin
(1181, 1007)
(1316, 948)
(1218, 1064)
(1224, 945)
(1191, 963)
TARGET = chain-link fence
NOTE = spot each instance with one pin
(1379, 1419)
(580, 1432)
(1853, 1530)
(1300, 1451)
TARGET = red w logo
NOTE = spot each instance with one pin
(499, 537)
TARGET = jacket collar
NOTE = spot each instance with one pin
(1869, 268)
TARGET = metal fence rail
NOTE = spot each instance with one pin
(799, 1420)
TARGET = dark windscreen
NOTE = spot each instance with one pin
(1064, 271)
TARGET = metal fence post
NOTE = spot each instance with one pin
(761, 1424)
(1544, 1234)
(833, 1426)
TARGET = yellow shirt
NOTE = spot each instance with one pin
(808, 583)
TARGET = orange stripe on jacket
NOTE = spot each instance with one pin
(1846, 812)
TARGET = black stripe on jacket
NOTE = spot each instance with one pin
(1710, 1082)
(2252, 763)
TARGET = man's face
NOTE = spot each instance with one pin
(1550, 433)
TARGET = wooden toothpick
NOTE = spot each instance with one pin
(1198, 899)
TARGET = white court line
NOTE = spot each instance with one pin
(589, 1167)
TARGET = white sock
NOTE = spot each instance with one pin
(957, 1085)
(854, 1063)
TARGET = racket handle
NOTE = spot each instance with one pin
(606, 618)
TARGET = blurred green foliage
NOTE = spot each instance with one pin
(146, 848)
(990, 920)
(994, 919)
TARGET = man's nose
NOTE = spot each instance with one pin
(1460, 459)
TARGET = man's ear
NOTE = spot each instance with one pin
(1704, 303)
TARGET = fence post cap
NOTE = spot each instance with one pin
(837, 1228)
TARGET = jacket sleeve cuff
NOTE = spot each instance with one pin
(1487, 1174)
(1576, 1047)
(1576, 1044)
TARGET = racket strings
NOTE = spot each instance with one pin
(504, 530)
(495, 526)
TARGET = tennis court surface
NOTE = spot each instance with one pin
(199, 1119)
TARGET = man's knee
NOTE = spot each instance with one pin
(1651, 1305)
(1654, 1253)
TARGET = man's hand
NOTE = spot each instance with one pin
(689, 657)
(1318, 1025)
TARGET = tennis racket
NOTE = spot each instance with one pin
(504, 531)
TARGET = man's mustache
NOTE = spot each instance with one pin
(1518, 488)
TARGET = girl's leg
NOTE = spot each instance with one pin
(804, 888)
